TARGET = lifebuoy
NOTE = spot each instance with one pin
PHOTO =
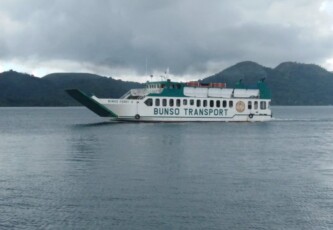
(250, 115)
(240, 106)
(137, 116)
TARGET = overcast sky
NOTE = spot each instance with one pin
(126, 38)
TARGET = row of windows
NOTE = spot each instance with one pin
(156, 86)
(255, 105)
(199, 103)
(192, 102)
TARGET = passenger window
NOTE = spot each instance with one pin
(191, 102)
(178, 102)
(171, 102)
(231, 104)
(255, 105)
(249, 105)
(211, 103)
(204, 104)
(164, 102)
(157, 102)
(198, 103)
(184, 102)
(262, 105)
(224, 103)
(149, 102)
(218, 104)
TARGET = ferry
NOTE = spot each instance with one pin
(169, 101)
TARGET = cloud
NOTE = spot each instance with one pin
(188, 36)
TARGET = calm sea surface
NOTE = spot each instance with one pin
(64, 168)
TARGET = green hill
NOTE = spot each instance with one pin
(18, 89)
(290, 83)
(102, 87)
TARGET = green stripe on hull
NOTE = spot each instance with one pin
(90, 103)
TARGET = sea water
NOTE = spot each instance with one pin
(65, 168)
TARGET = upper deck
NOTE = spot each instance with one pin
(198, 90)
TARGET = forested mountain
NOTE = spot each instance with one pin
(290, 83)
(103, 87)
(17, 89)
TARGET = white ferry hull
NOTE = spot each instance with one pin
(136, 110)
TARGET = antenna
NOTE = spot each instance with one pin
(146, 65)
(167, 73)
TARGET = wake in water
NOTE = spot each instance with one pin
(278, 119)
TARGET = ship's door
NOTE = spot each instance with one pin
(137, 107)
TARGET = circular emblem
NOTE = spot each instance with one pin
(240, 106)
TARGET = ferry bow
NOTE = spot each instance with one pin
(176, 101)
